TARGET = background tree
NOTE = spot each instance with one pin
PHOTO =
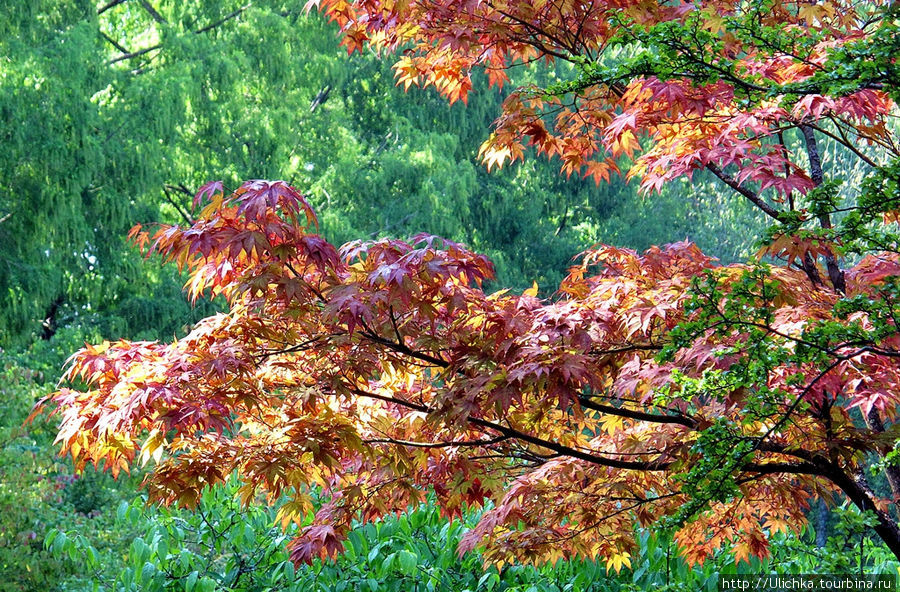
(112, 111)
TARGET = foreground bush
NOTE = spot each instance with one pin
(223, 546)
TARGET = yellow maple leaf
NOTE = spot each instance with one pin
(611, 423)
(618, 560)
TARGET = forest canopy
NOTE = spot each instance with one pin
(115, 114)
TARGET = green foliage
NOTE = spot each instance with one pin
(38, 490)
(93, 146)
(97, 141)
(28, 485)
(223, 546)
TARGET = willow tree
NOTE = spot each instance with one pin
(115, 112)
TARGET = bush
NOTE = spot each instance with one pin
(39, 491)
(225, 547)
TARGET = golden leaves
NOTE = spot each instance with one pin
(616, 561)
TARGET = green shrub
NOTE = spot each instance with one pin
(225, 547)
(38, 490)
(30, 485)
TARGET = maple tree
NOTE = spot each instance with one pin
(655, 388)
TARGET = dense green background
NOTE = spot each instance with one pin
(93, 144)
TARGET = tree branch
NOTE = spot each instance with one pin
(184, 215)
(766, 468)
(109, 5)
(654, 465)
(140, 52)
(153, 13)
(835, 274)
(892, 472)
(224, 19)
(402, 349)
(114, 43)
(751, 195)
(637, 415)
(808, 264)
(412, 444)
(134, 54)
(859, 492)
(844, 141)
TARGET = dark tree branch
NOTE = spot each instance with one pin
(224, 19)
(751, 195)
(835, 274)
(637, 415)
(402, 349)
(109, 5)
(134, 54)
(843, 140)
(809, 266)
(767, 468)
(892, 472)
(859, 492)
(460, 443)
(49, 323)
(812, 272)
(184, 215)
(508, 432)
(180, 188)
(114, 43)
(631, 347)
(153, 13)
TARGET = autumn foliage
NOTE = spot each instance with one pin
(651, 389)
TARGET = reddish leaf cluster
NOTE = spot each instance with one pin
(378, 371)
(651, 385)
(687, 122)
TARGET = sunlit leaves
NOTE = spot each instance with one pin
(706, 84)
(655, 388)
(658, 386)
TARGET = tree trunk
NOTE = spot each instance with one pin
(821, 524)
(48, 325)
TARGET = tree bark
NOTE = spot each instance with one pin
(874, 422)
(821, 524)
(835, 274)
(48, 324)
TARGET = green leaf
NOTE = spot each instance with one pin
(59, 543)
(489, 580)
(122, 511)
(191, 582)
(147, 572)
(407, 561)
(51, 535)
